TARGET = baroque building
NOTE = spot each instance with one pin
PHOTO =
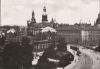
(40, 40)
(33, 27)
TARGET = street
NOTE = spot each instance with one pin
(87, 60)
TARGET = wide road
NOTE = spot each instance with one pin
(85, 62)
(89, 59)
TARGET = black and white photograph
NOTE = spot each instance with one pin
(49, 34)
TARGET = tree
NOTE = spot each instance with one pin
(2, 40)
(61, 44)
(65, 59)
(11, 56)
(25, 40)
(26, 56)
(43, 62)
(57, 53)
(16, 55)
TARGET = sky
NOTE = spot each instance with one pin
(17, 12)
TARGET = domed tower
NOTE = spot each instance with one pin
(44, 15)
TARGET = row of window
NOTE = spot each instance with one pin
(41, 46)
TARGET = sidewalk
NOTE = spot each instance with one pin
(95, 57)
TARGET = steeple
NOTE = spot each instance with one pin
(33, 17)
(44, 9)
(33, 14)
(44, 15)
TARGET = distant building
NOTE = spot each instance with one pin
(41, 45)
(71, 33)
(91, 34)
(39, 39)
(33, 27)
(81, 33)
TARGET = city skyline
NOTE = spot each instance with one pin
(17, 12)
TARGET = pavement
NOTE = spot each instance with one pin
(84, 63)
(95, 56)
(89, 59)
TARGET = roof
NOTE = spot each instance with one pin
(11, 30)
(68, 28)
(92, 28)
(46, 29)
(78, 28)
(42, 25)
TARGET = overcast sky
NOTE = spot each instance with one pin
(17, 12)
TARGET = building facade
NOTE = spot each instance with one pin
(40, 40)
(93, 35)
(82, 33)
(71, 33)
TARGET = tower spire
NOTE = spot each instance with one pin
(33, 14)
(44, 15)
(44, 8)
(33, 17)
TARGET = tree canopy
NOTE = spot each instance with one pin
(16, 55)
(56, 52)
